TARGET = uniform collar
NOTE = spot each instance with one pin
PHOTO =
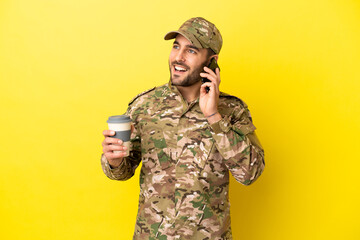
(175, 90)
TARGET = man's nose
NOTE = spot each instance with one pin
(180, 57)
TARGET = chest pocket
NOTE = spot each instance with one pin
(197, 144)
(153, 145)
(158, 140)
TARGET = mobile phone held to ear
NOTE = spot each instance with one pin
(212, 65)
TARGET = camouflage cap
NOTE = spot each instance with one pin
(200, 32)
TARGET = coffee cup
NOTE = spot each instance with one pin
(121, 124)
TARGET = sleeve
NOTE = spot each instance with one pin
(129, 164)
(239, 146)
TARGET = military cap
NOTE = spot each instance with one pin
(200, 32)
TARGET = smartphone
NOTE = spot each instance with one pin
(212, 65)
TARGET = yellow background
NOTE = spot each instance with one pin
(66, 65)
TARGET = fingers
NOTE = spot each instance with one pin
(209, 70)
(214, 89)
(111, 156)
(114, 147)
(111, 140)
(211, 75)
(213, 80)
(112, 144)
(108, 133)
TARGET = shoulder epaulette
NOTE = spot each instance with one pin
(222, 94)
(139, 95)
(225, 95)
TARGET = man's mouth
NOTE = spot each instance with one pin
(179, 69)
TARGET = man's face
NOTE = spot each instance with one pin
(186, 62)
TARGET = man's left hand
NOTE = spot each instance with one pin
(209, 100)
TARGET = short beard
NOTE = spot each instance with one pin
(191, 79)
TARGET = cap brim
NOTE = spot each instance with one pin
(173, 34)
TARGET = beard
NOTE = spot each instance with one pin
(189, 80)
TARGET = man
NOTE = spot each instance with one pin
(188, 140)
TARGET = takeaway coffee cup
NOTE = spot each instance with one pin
(121, 124)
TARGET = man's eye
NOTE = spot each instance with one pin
(176, 46)
(192, 51)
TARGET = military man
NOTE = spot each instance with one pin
(188, 136)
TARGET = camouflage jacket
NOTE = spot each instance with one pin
(184, 178)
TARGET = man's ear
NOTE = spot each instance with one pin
(213, 56)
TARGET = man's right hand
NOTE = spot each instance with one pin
(113, 148)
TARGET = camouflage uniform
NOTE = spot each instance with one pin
(184, 179)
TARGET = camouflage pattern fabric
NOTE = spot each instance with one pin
(184, 179)
(200, 32)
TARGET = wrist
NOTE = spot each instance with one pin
(115, 163)
(213, 118)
